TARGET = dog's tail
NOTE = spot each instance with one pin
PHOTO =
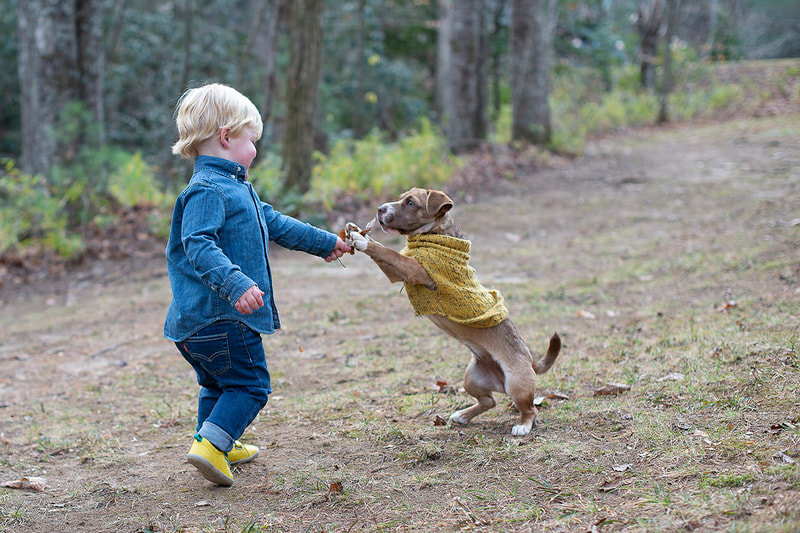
(543, 365)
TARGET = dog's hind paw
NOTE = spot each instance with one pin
(458, 418)
(520, 430)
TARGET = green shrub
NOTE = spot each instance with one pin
(55, 211)
(266, 176)
(372, 167)
(502, 126)
(724, 97)
(30, 213)
(133, 182)
(580, 106)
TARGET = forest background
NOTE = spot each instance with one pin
(361, 98)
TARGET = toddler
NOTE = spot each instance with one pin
(218, 265)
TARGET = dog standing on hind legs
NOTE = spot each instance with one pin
(434, 266)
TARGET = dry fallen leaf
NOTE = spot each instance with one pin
(612, 484)
(476, 518)
(336, 486)
(439, 421)
(595, 528)
(444, 388)
(539, 400)
(777, 428)
(730, 304)
(28, 483)
(612, 389)
(781, 456)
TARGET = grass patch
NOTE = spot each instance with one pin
(729, 480)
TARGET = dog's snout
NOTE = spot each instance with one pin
(385, 213)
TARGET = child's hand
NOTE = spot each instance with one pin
(340, 249)
(250, 301)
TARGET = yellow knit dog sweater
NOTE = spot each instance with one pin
(459, 295)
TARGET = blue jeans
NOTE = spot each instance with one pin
(231, 369)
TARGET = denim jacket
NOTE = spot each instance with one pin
(219, 247)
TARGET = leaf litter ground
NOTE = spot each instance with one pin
(667, 261)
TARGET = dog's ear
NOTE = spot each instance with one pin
(438, 203)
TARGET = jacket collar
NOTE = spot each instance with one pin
(222, 166)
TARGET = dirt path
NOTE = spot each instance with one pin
(620, 252)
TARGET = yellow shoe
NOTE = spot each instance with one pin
(212, 463)
(242, 453)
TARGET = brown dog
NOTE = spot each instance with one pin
(442, 286)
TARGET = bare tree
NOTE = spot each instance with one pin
(713, 15)
(188, 25)
(648, 23)
(115, 29)
(443, 37)
(359, 122)
(533, 24)
(305, 65)
(263, 38)
(666, 80)
(496, 54)
(463, 95)
(60, 61)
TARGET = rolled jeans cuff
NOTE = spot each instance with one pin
(216, 436)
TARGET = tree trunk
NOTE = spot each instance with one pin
(359, 124)
(443, 53)
(496, 54)
(115, 30)
(305, 62)
(188, 24)
(533, 24)
(666, 83)
(465, 107)
(60, 61)
(713, 13)
(91, 63)
(265, 39)
(648, 23)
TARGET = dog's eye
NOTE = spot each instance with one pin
(410, 203)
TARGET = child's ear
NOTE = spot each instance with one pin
(224, 137)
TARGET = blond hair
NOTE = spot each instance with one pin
(203, 111)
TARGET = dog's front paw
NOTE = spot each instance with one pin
(354, 238)
(358, 241)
